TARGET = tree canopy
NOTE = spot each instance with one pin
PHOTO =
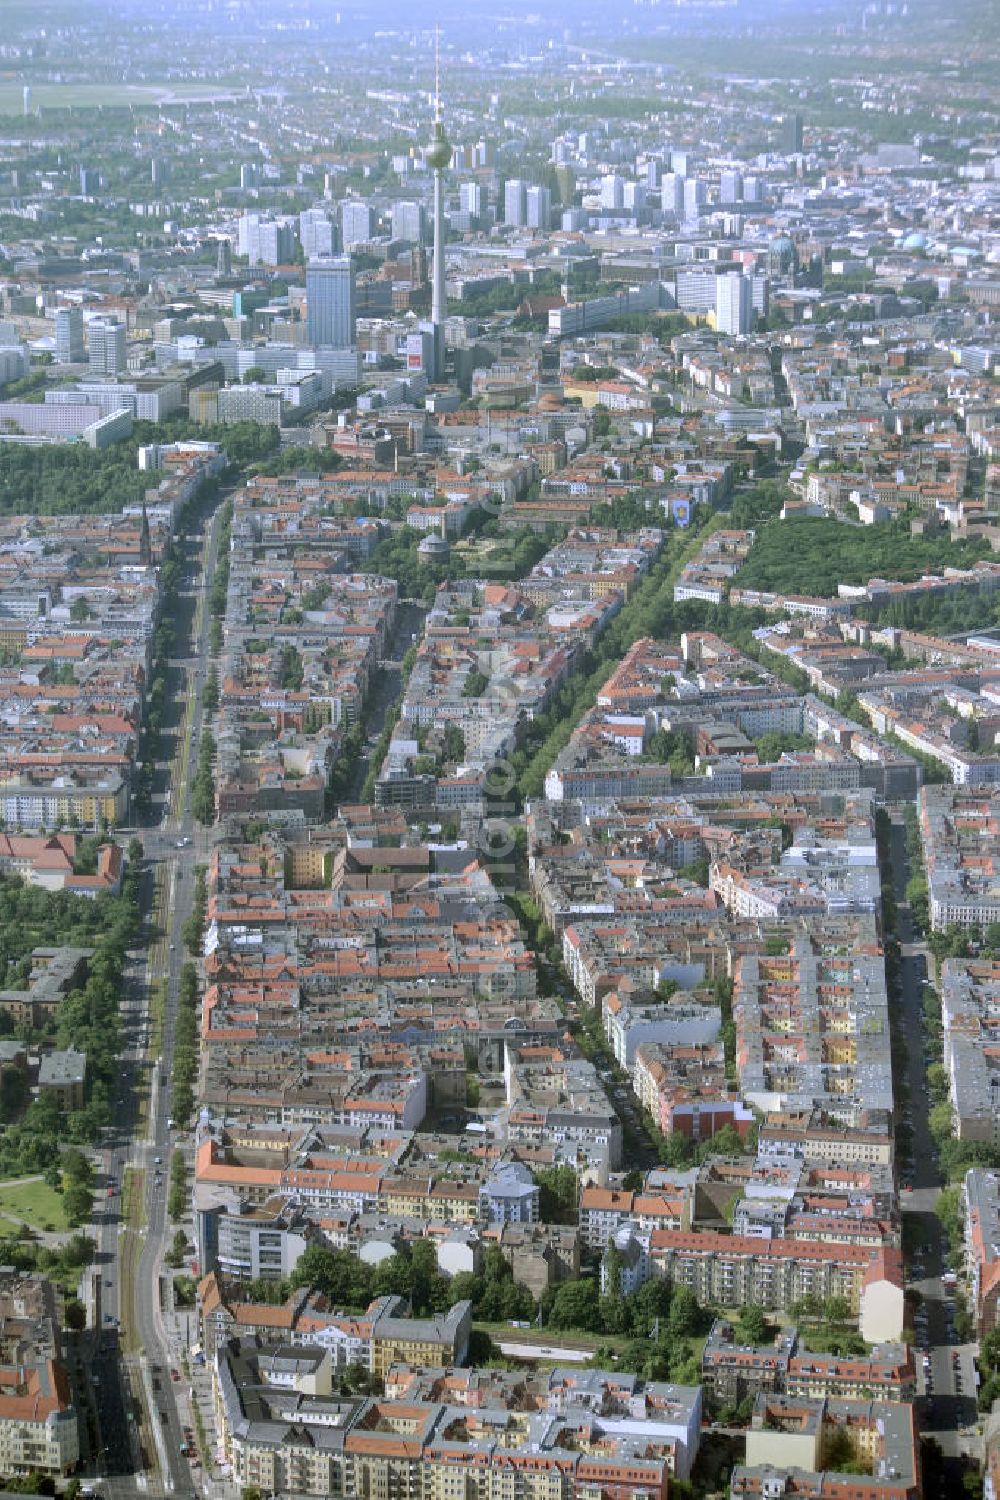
(812, 555)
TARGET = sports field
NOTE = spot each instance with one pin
(107, 95)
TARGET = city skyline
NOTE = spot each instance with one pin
(500, 750)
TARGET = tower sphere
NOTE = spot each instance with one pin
(438, 153)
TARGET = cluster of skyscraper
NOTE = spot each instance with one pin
(527, 205)
(105, 343)
(330, 293)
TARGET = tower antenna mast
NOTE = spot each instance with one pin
(438, 158)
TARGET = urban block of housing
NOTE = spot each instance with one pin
(703, 850)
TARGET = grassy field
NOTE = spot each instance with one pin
(129, 1253)
(570, 1339)
(35, 1204)
(157, 1003)
(106, 95)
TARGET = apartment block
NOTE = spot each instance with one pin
(39, 1424)
(733, 1270)
(264, 1398)
(970, 1013)
(790, 1440)
(812, 1024)
(961, 842)
(981, 1203)
(732, 1372)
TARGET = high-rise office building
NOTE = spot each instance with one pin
(409, 222)
(672, 194)
(680, 161)
(791, 134)
(69, 336)
(248, 236)
(224, 260)
(106, 345)
(731, 187)
(733, 304)
(694, 197)
(470, 199)
(277, 243)
(14, 362)
(90, 182)
(249, 175)
(634, 198)
(317, 234)
(613, 192)
(330, 302)
(267, 242)
(355, 222)
(538, 209)
(515, 202)
(695, 290)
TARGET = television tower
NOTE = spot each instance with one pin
(438, 156)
